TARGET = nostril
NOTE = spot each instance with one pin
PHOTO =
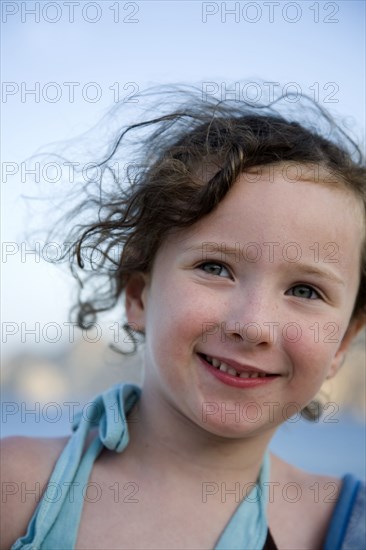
(236, 337)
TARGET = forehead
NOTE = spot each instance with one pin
(279, 206)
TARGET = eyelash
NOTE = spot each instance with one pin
(318, 296)
(218, 264)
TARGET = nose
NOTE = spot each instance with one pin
(252, 318)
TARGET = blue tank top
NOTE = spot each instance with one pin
(55, 523)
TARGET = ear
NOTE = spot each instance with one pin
(353, 329)
(135, 300)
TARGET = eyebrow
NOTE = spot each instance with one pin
(213, 248)
(323, 273)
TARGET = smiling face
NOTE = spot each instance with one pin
(265, 284)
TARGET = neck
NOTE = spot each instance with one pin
(164, 438)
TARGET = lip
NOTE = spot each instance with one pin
(235, 381)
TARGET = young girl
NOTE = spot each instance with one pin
(241, 240)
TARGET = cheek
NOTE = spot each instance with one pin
(172, 325)
(181, 310)
(311, 358)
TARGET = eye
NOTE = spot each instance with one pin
(214, 268)
(305, 291)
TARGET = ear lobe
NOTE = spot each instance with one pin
(135, 300)
(353, 329)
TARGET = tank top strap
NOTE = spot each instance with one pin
(247, 527)
(55, 522)
(347, 523)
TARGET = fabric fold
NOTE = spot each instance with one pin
(55, 522)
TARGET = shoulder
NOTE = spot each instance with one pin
(306, 483)
(26, 466)
(300, 496)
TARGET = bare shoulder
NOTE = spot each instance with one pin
(300, 497)
(26, 466)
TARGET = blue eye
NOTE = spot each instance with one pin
(214, 268)
(305, 291)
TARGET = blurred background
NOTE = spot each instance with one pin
(64, 65)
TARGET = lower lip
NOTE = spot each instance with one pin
(236, 381)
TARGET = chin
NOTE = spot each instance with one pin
(233, 428)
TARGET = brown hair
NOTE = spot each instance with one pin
(185, 162)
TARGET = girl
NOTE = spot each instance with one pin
(243, 238)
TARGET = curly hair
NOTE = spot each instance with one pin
(184, 164)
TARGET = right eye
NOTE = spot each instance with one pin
(214, 268)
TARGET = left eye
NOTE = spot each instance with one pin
(214, 268)
(305, 291)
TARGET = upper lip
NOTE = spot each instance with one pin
(239, 367)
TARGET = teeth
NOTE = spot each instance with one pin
(230, 370)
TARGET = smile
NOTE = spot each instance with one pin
(243, 376)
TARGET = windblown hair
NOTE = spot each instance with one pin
(185, 163)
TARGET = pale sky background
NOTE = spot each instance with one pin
(168, 43)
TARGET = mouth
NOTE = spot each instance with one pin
(228, 370)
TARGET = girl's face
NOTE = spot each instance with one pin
(265, 284)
